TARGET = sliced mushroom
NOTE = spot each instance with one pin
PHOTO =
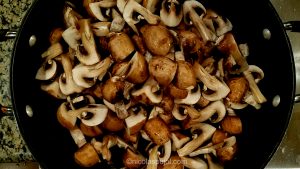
(221, 89)
(93, 114)
(101, 28)
(78, 136)
(229, 46)
(250, 99)
(47, 71)
(121, 69)
(255, 69)
(133, 6)
(87, 53)
(165, 153)
(232, 125)
(71, 17)
(138, 72)
(208, 112)
(157, 130)
(83, 72)
(174, 162)
(151, 5)
(133, 160)
(189, 41)
(185, 76)
(113, 123)
(194, 163)
(189, 11)
(91, 131)
(150, 88)
(96, 8)
(119, 108)
(162, 69)
(117, 23)
(202, 102)
(158, 39)
(217, 23)
(66, 117)
(212, 164)
(171, 13)
(179, 112)
(219, 136)
(53, 89)
(86, 156)
(206, 132)
(55, 35)
(135, 122)
(112, 89)
(72, 37)
(192, 97)
(139, 43)
(177, 93)
(120, 46)
(153, 158)
(178, 140)
(238, 87)
(167, 103)
(53, 51)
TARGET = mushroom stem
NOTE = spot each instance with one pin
(259, 97)
(153, 158)
(194, 163)
(208, 112)
(78, 136)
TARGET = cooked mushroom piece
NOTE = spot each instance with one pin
(53, 89)
(72, 37)
(208, 112)
(157, 39)
(232, 125)
(167, 103)
(71, 17)
(47, 71)
(220, 89)
(177, 93)
(138, 72)
(119, 108)
(219, 136)
(162, 69)
(192, 97)
(171, 13)
(55, 35)
(86, 156)
(206, 132)
(135, 122)
(174, 162)
(157, 130)
(194, 163)
(217, 23)
(189, 41)
(133, 160)
(258, 71)
(179, 113)
(229, 46)
(120, 46)
(133, 6)
(86, 75)
(178, 140)
(66, 117)
(78, 136)
(87, 53)
(53, 51)
(212, 164)
(153, 158)
(165, 153)
(151, 5)
(90, 131)
(112, 89)
(96, 9)
(228, 151)
(190, 8)
(92, 114)
(185, 76)
(101, 28)
(238, 87)
(117, 23)
(113, 123)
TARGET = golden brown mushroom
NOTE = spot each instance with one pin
(133, 160)
(238, 87)
(157, 130)
(112, 88)
(120, 46)
(232, 125)
(112, 122)
(86, 156)
(185, 77)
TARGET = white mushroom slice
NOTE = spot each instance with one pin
(71, 37)
(178, 141)
(208, 112)
(87, 54)
(66, 82)
(145, 135)
(207, 132)
(153, 158)
(237, 106)
(101, 28)
(259, 97)
(151, 5)
(192, 97)
(53, 89)
(71, 17)
(155, 112)
(166, 152)
(194, 163)
(93, 114)
(211, 82)
(189, 11)
(244, 48)
(119, 108)
(91, 72)
(149, 88)
(96, 7)
(134, 123)
(250, 99)
(259, 71)
(47, 71)
(169, 13)
(53, 51)
(121, 5)
(212, 164)
(178, 114)
(179, 56)
(217, 23)
(131, 7)
(117, 23)
(78, 137)
(67, 118)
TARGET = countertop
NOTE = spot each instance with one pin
(13, 148)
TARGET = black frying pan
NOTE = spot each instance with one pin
(52, 145)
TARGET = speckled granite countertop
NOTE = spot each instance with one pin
(12, 146)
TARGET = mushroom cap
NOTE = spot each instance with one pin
(157, 130)
(185, 77)
(86, 156)
(112, 89)
(112, 122)
(65, 117)
(120, 46)
(138, 72)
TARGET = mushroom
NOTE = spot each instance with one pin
(167, 103)
(91, 131)
(101, 28)
(229, 46)
(174, 162)
(221, 89)
(211, 163)
(219, 136)
(206, 132)
(150, 89)
(138, 72)
(133, 6)
(113, 123)
(96, 9)
(165, 152)
(87, 53)
(232, 125)
(250, 99)
(209, 65)
(189, 42)
(217, 23)
(185, 76)
(53, 51)
(255, 69)
(178, 140)
(66, 81)
(228, 150)
(47, 71)
(53, 89)
(80, 101)
(171, 13)
(93, 114)
(194, 163)
(71, 17)
(192, 97)
(153, 158)
(112, 89)
(55, 35)
(189, 11)
(133, 160)
(202, 102)
(157, 130)
(179, 112)
(177, 93)
(151, 5)
(157, 39)
(66, 117)
(72, 36)
(258, 96)
(119, 108)
(86, 75)
(117, 23)
(208, 112)
(121, 5)
(86, 156)
(238, 87)
(78, 136)
(139, 43)
(135, 122)
(120, 69)
(162, 69)
(120, 46)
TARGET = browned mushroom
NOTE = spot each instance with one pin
(91, 131)
(55, 35)
(185, 77)
(112, 88)
(232, 125)
(177, 93)
(219, 136)
(120, 46)
(133, 160)
(157, 130)
(138, 72)
(86, 156)
(113, 123)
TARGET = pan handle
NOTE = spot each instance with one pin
(293, 26)
(7, 34)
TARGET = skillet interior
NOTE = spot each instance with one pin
(52, 146)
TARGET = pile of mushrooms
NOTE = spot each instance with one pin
(160, 81)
